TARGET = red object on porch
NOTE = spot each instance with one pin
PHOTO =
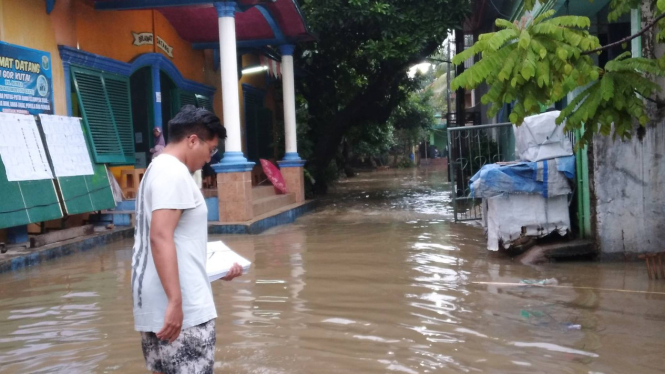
(274, 175)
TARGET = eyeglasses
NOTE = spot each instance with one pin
(213, 151)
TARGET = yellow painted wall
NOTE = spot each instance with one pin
(190, 62)
(117, 171)
(110, 33)
(257, 80)
(64, 22)
(2, 18)
(214, 78)
(75, 23)
(26, 23)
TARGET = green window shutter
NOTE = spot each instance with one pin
(97, 116)
(204, 102)
(186, 98)
(118, 92)
(182, 98)
(179, 99)
(175, 101)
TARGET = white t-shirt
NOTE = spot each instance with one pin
(167, 184)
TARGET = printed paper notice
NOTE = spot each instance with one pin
(66, 145)
(22, 149)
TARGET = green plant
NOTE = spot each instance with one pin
(356, 70)
(539, 61)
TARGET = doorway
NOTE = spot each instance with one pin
(168, 110)
(143, 109)
(141, 95)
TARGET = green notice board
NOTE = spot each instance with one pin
(27, 202)
(87, 193)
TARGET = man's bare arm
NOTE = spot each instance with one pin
(162, 229)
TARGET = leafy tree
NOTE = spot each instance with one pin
(439, 92)
(408, 124)
(356, 70)
(539, 61)
(371, 140)
(415, 113)
(412, 121)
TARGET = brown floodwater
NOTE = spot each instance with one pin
(378, 280)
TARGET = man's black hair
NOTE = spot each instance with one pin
(195, 121)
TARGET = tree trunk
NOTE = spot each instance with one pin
(375, 103)
(346, 156)
(364, 106)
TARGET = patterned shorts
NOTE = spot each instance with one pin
(193, 352)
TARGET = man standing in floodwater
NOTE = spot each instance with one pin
(173, 305)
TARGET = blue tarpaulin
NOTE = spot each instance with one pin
(548, 178)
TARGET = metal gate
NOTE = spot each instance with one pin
(470, 148)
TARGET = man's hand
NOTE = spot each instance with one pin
(172, 322)
(235, 272)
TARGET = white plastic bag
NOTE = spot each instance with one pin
(540, 138)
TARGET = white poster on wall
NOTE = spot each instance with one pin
(21, 148)
(66, 145)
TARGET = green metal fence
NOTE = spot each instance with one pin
(582, 193)
(470, 148)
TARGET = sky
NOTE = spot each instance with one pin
(423, 67)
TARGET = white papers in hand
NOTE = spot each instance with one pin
(220, 260)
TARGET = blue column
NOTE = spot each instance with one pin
(225, 9)
(156, 96)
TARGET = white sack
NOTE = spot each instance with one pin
(507, 214)
(540, 138)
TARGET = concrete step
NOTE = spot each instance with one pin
(570, 249)
(261, 192)
(560, 250)
(267, 204)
